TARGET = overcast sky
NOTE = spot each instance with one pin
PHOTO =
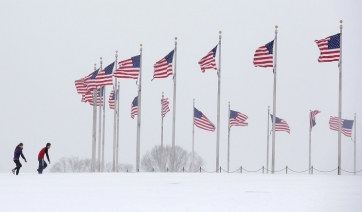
(45, 46)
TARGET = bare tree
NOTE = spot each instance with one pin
(74, 164)
(159, 159)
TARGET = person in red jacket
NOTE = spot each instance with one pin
(42, 163)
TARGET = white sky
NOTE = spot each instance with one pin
(45, 46)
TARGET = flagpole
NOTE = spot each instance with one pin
(193, 135)
(274, 98)
(174, 109)
(139, 115)
(99, 131)
(310, 141)
(104, 128)
(94, 129)
(267, 143)
(162, 133)
(340, 102)
(114, 121)
(228, 136)
(355, 141)
(99, 123)
(117, 146)
(218, 106)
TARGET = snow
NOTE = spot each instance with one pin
(179, 192)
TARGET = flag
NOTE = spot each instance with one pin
(346, 125)
(163, 67)
(90, 82)
(112, 98)
(201, 121)
(79, 85)
(280, 124)
(237, 119)
(330, 48)
(208, 62)
(129, 68)
(88, 97)
(263, 56)
(312, 118)
(165, 108)
(134, 107)
(104, 77)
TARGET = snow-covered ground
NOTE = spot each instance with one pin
(179, 192)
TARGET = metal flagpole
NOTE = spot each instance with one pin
(114, 121)
(218, 106)
(193, 136)
(139, 114)
(104, 128)
(174, 109)
(117, 145)
(310, 141)
(340, 102)
(267, 143)
(228, 136)
(274, 97)
(94, 129)
(355, 141)
(99, 132)
(162, 133)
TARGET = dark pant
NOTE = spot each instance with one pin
(42, 165)
(18, 166)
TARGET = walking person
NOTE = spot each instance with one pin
(17, 153)
(42, 163)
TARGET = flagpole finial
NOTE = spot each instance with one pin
(220, 32)
(101, 58)
(118, 83)
(175, 38)
(268, 107)
(162, 93)
(341, 21)
(276, 26)
(141, 45)
(95, 64)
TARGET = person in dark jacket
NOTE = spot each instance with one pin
(17, 153)
(42, 163)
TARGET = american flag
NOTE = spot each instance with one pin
(129, 68)
(312, 118)
(165, 108)
(201, 121)
(88, 97)
(81, 85)
(104, 77)
(90, 82)
(208, 62)
(163, 67)
(112, 98)
(263, 56)
(134, 107)
(346, 125)
(280, 124)
(330, 48)
(237, 119)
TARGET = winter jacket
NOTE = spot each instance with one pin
(42, 153)
(18, 151)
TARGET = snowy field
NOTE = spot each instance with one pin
(179, 192)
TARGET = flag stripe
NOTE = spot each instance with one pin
(165, 108)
